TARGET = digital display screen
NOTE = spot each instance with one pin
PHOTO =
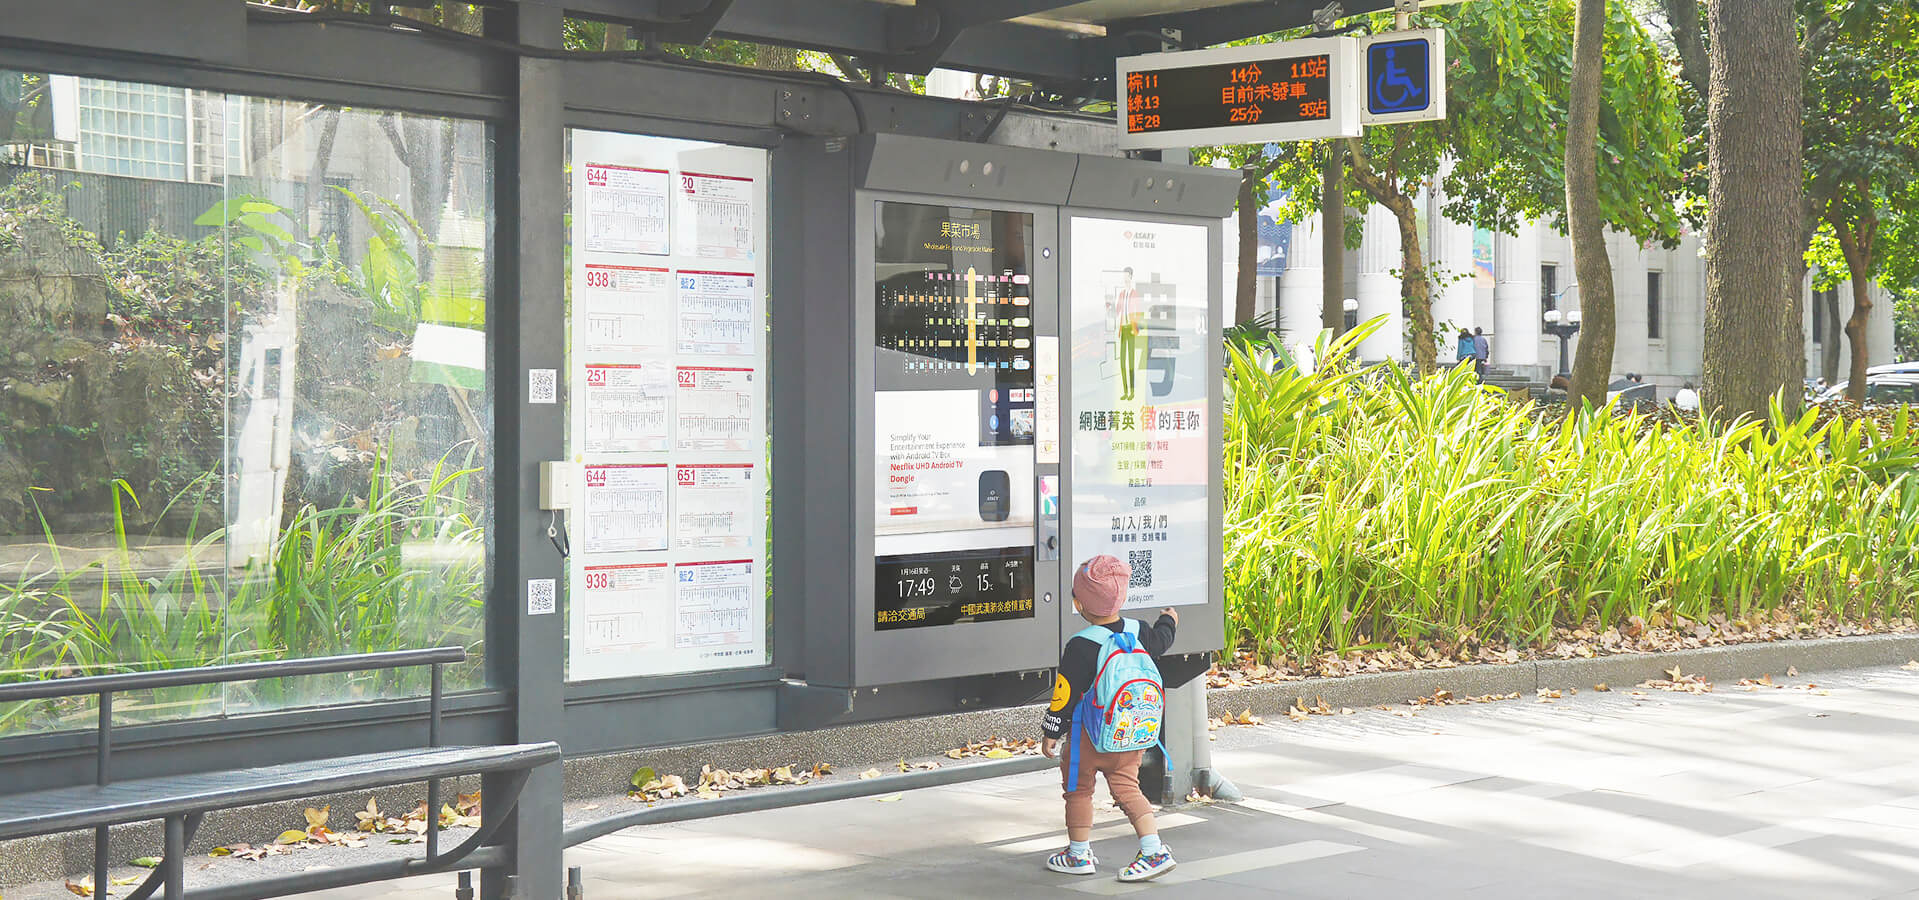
(926, 589)
(1220, 95)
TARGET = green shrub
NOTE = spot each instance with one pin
(1364, 507)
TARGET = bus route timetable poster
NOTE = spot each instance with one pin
(666, 406)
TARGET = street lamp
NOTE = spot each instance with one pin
(1562, 325)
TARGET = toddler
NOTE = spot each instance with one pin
(1099, 593)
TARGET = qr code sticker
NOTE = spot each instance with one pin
(1142, 563)
(542, 596)
(542, 386)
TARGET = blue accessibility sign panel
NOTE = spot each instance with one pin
(1405, 77)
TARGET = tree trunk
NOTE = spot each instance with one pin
(1247, 293)
(1592, 267)
(317, 189)
(1753, 202)
(1332, 243)
(615, 38)
(1856, 241)
(781, 59)
(1415, 291)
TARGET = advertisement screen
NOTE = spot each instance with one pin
(955, 410)
(1140, 417)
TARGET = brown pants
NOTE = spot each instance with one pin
(1122, 781)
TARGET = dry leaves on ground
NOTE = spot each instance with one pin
(1246, 717)
(649, 786)
(1657, 633)
(1911, 665)
(1443, 697)
(1678, 682)
(996, 748)
(463, 813)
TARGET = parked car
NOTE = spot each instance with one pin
(1882, 389)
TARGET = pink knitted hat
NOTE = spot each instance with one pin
(1100, 585)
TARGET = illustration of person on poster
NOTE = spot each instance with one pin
(1132, 346)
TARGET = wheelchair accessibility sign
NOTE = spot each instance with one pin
(1405, 77)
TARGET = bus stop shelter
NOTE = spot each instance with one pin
(399, 216)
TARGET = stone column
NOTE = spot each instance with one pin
(1378, 295)
(1516, 309)
(1301, 287)
(1452, 267)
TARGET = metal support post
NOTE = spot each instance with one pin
(175, 860)
(1188, 762)
(526, 329)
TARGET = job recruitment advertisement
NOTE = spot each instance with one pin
(1141, 420)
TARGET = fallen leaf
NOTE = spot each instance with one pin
(1793, 671)
(998, 753)
(956, 753)
(1911, 665)
(130, 879)
(316, 818)
(1602, 688)
(370, 818)
(220, 851)
(890, 798)
(83, 887)
(290, 836)
(147, 862)
(589, 807)
(643, 776)
(821, 770)
(1673, 673)
(869, 774)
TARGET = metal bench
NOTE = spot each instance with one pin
(182, 800)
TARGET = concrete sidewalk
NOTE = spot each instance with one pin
(1776, 793)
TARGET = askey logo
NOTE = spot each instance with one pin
(1140, 235)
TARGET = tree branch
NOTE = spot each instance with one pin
(1682, 16)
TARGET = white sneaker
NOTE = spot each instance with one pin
(1066, 862)
(1147, 868)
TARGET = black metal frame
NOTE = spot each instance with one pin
(180, 828)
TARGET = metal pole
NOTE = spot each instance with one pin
(175, 861)
(433, 786)
(103, 775)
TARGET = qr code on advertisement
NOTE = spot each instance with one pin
(542, 596)
(1142, 563)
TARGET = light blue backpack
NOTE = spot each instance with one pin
(1125, 707)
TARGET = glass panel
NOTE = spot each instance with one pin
(245, 419)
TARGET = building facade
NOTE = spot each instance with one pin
(1506, 284)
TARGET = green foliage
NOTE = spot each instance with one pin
(1507, 87)
(1364, 506)
(402, 567)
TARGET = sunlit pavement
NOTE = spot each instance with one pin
(1796, 792)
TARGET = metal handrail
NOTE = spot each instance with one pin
(283, 668)
(105, 686)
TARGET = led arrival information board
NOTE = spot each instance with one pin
(1276, 92)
